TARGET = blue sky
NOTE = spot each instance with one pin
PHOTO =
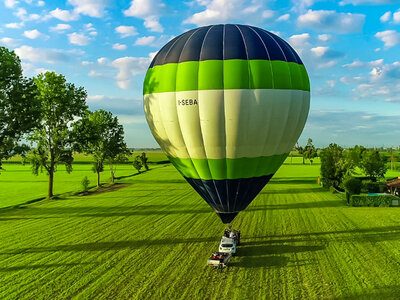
(350, 49)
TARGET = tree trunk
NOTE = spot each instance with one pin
(98, 178)
(304, 161)
(291, 158)
(51, 179)
(112, 173)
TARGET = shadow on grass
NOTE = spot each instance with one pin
(304, 190)
(44, 266)
(368, 235)
(297, 205)
(385, 292)
(111, 246)
(262, 256)
(293, 180)
(100, 212)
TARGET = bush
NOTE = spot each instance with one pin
(352, 185)
(369, 200)
(85, 183)
(332, 189)
(372, 187)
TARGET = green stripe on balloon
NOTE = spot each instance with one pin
(228, 168)
(226, 74)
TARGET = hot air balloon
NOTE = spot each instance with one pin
(227, 103)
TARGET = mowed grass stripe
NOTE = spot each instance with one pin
(151, 240)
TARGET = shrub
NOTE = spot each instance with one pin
(369, 186)
(85, 183)
(369, 200)
(352, 185)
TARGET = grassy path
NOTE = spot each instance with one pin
(152, 238)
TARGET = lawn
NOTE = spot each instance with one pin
(151, 238)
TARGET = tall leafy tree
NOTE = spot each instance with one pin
(19, 109)
(309, 151)
(373, 164)
(300, 150)
(100, 134)
(353, 157)
(333, 165)
(137, 163)
(144, 160)
(61, 103)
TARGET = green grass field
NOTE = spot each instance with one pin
(150, 239)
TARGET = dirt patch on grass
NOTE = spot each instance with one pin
(105, 189)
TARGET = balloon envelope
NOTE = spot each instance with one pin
(227, 103)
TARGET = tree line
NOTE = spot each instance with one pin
(46, 119)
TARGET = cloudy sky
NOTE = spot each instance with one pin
(351, 49)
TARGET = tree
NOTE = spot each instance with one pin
(309, 152)
(392, 159)
(61, 103)
(144, 159)
(119, 159)
(99, 134)
(300, 150)
(373, 164)
(352, 186)
(19, 109)
(137, 163)
(353, 157)
(333, 165)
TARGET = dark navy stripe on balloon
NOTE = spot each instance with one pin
(229, 196)
(228, 41)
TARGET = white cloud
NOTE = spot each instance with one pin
(153, 24)
(64, 15)
(129, 119)
(326, 52)
(332, 21)
(396, 17)
(10, 3)
(268, 14)
(34, 34)
(41, 3)
(386, 16)
(22, 14)
(91, 8)
(300, 42)
(45, 55)
(380, 84)
(284, 17)
(126, 31)
(15, 25)
(314, 57)
(152, 54)
(300, 6)
(319, 51)
(118, 46)
(324, 37)
(102, 60)
(149, 11)
(78, 39)
(368, 2)
(145, 40)
(359, 64)
(389, 37)
(95, 98)
(93, 73)
(222, 11)
(8, 42)
(60, 27)
(129, 67)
